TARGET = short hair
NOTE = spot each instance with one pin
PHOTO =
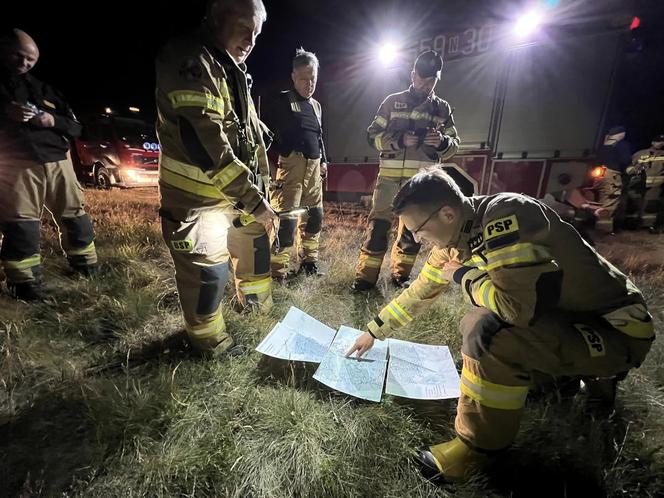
(234, 6)
(430, 187)
(304, 58)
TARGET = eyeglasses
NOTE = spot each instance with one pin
(426, 221)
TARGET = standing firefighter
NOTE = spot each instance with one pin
(36, 128)
(295, 119)
(413, 129)
(615, 155)
(213, 170)
(651, 162)
(543, 302)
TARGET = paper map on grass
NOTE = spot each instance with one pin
(299, 337)
(363, 377)
(421, 371)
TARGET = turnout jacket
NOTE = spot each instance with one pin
(519, 261)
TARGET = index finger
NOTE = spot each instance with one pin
(354, 348)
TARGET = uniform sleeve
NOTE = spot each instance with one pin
(517, 278)
(65, 121)
(449, 129)
(196, 101)
(378, 135)
(428, 285)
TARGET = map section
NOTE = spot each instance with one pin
(299, 337)
(421, 371)
(364, 377)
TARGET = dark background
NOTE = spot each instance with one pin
(101, 54)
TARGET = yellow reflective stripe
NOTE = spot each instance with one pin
(229, 173)
(397, 173)
(310, 244)
(633, 320)
(207, 330)
(187, 98)
(378, 140)
(515, 254)
(84, 251)
(492, 395)
(381, 121)
(187, 177)
(396, 315)
(477, 262)
(371, 261)
(401, 311)
(23, 264)
(257, 287)
(281, 257)
(399, 114)
(433, 274)
(486, 295)
(407, 164)
(408, 259)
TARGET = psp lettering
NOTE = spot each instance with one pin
(501, 227)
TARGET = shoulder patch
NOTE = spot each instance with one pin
(476, 242)
(400, 105)
(501, 226)
(191, 69)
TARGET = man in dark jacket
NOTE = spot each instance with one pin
(36, 129)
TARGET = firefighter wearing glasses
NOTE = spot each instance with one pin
(214, 170)
(412, 129)
(542, 302)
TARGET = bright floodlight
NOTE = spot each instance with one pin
(527, 24)
(387, 53)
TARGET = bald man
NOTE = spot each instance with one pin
(36, 130)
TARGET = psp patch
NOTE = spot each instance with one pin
(593, 340)
(182, 245)
(501, 226)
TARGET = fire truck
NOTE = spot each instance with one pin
(531, 101)
(117, 151)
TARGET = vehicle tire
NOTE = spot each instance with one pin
(103, 178)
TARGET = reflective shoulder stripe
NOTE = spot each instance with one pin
(23, 264)
(188, 178)
(522, 253)
(434, 274)
(381, 121)
(186, 98)
(492, 395)
(229, 173)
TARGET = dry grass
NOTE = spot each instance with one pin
(100, 399)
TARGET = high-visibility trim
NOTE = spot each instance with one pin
(23, 264)
(651, 181)
(84, 251)
(381, 121)
(407, 259)
(188, 178)
(207, 330)
(262, 286)
(378, 141)
(281, 257)
(399, 115)
(492, 395)
(309, 244)
(633, 320)
(516, 254)
(229, 173)
(407, 164)
(486, 295)
(187, 98)
(397, 173)
(650, 159)
(434, 274)
(371, 261)
(399, 314)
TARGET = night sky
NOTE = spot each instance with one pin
(106, 58)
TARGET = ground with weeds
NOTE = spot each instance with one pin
(101, 398)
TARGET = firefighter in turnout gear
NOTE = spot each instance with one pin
(36, 129)
(295, 119)
(213, 170)
(616, 157)
(651, 162)
(543, 302)
(413, 129)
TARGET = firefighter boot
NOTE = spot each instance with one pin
(27, 291)
(450, 461)
(601, 391)
(310, 268)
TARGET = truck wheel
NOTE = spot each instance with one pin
(103, 178)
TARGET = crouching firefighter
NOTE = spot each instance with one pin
(542, 303)
(36, 129)
(213, 170)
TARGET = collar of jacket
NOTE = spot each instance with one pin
(297, 96)
(463, 236)
(417, 98)
(221, 54)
